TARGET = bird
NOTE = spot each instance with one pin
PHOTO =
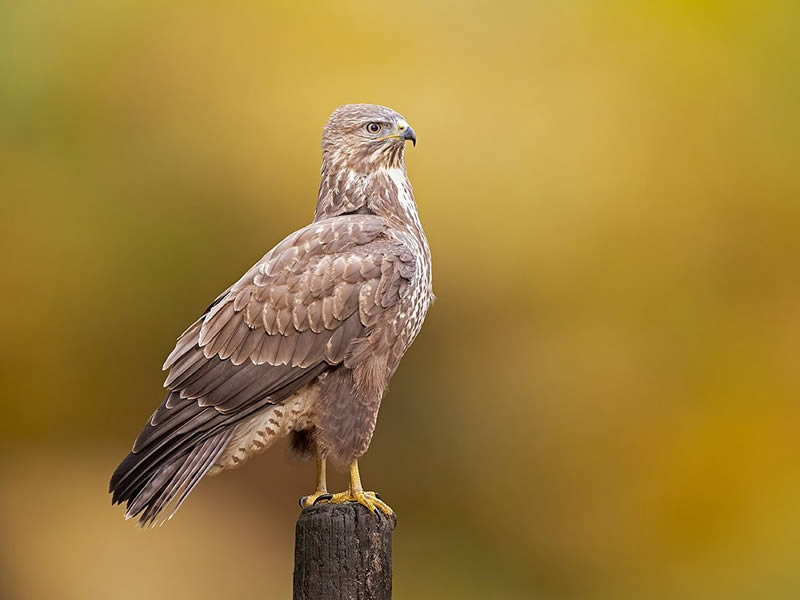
(304, 344)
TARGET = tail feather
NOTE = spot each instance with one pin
(178, 480)
(193, 469)
(138, 468)
(177, 476)
(198, 472)
(153, 488)
(175, 451)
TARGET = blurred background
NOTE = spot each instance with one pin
(603, 401)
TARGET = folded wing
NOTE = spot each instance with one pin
(287, 320)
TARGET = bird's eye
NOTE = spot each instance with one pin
(373, 127)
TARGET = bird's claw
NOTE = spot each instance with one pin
(370, 500)
(317, 496)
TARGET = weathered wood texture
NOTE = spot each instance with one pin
(343, 552)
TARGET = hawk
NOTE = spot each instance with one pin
(304, 344)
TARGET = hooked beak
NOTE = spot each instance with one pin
(409, 134)
(406, 132)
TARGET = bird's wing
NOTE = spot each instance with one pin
(289, 318)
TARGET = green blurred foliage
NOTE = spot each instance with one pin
(603, 402)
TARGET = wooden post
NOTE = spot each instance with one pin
(343, 552)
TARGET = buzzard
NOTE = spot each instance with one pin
(304, 344)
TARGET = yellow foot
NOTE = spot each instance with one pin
(317, 496)
(369, 499)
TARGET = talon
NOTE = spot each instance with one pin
(366, 499)
(311, 500)
(321, 491)
(355, 493)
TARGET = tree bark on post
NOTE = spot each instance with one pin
(343, 552)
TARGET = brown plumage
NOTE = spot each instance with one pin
(305, 342)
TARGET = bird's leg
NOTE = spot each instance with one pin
(356, 493)
(321, 493)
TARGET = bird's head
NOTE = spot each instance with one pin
(363, 137)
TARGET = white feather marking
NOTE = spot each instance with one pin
(263, 429)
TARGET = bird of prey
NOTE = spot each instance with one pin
(304, 344)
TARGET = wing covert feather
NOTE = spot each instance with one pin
(296, 311)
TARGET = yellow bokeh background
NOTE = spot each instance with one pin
(603, 401)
